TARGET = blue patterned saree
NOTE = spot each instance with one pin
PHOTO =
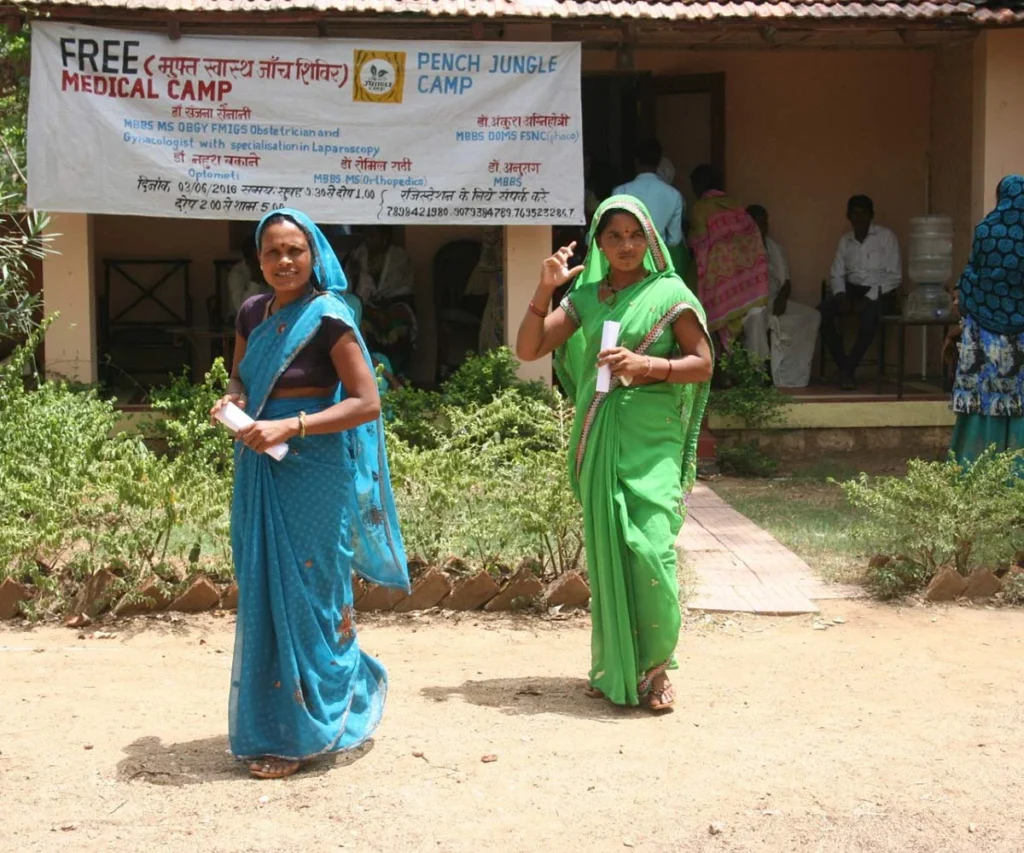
(300, 684)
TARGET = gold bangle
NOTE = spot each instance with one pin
(302, 424)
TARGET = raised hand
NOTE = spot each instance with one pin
(555, 271)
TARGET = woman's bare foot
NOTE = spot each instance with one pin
(274, 768)
(662, 696)
(593, 692)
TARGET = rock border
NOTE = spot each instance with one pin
(433, 588)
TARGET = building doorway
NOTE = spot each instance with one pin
(685, 113)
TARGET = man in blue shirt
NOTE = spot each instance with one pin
(663, 201)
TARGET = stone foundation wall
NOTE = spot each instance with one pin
(792, 446)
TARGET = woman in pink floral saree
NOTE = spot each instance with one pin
(729, 265)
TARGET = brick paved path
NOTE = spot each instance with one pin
(742, 568)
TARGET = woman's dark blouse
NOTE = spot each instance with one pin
(312, 366)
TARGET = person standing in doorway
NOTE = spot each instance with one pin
(866, 274)
(662, 200)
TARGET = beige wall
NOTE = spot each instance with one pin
(952, 141)
(998, 113)
(805, 130)
(526, 247)
(68, 290)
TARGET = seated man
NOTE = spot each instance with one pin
(865, 276)
(793, 328)
(663, 201)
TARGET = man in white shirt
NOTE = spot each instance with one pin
(663, 201)
(866, 273)
(786, 331)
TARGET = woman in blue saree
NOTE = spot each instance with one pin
(300, 685)
(988, 393)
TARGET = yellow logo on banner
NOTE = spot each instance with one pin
(379, 76)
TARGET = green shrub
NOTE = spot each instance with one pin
(419, 418)
(75, 499)
(1013, 588)
(745, 460)
(483, 378)
(186, 423)
(941, 513)
(748, 394)
(494, 489)
(896, 578)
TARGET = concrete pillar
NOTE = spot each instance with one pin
(68, 288)
(526, 247)
(998, 114)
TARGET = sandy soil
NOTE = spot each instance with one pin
(893, 730)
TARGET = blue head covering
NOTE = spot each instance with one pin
(328, 276)
(992, 285)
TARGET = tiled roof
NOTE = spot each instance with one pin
(993, 13)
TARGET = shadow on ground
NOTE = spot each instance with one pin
(198, 762)
(533, 696)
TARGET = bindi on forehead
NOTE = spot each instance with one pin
(284, 235)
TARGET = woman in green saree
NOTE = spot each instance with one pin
(633, 449)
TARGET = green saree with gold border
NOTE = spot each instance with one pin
(633, 456)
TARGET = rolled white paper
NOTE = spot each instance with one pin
(234, 419)
(609, 339)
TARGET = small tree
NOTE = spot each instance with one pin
(23, 235)
(22, 239)
(14, 73)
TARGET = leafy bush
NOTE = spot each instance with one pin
(896, 578)
(479, 472)
(186, 423)
(749, 395)
(492, 489)
(483, 378)
(75, 499)
(1013, 588)
(745, 460)
(419, 417)
(940, 513)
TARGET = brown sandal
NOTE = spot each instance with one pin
(274, 768)
(662, 699)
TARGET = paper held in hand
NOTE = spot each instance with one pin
(609, 339)
(234, 419)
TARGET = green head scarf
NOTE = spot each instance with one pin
(657, 261)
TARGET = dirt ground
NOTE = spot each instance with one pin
(892, 730)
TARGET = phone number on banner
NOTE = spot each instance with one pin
(504, 213)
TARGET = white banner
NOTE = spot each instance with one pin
(347, 131)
